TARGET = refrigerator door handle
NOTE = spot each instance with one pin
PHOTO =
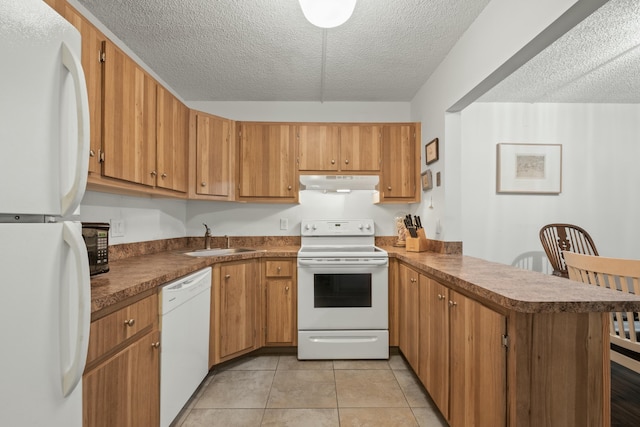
(71, 376)
(72, 199)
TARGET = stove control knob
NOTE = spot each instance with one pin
(368, 226)
(307, 227)
(313, 227)
(360, 227)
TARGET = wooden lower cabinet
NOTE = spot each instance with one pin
(434, 342)
(235, 310)
(455, 345)
(121, 386)
(408, 315)
(478, 370)
(280, 302)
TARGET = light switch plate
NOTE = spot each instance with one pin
(284, 224)
(117, 227)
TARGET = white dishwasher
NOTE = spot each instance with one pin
(184, 354)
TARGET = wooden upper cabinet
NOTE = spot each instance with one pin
(266, 162)
(129, 137)
(318, 148)
(339, 148)
(400, 160)
(92, 46)
(172, 141)
(213, 151)
(360, 148)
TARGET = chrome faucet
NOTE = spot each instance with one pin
(227, 240)
(207, 237)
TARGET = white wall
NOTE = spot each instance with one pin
(154, 219)
(600, 149)
(253, 219)
(144, 218)
(503, 37)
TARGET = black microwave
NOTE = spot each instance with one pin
(96, 237)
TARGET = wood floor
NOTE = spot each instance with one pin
(625, 397)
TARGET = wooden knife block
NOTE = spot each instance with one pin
(417, 244)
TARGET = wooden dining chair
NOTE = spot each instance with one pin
(556, 238)
(622, 275)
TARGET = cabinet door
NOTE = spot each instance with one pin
(105, 398)
(129, 138)
(172, 141)
(237, 307)
(281, 302)
(318, 148)
(478, 364)
(409, 322)
(360, 148)
(266, 162)
(399, 163)
(125, 389)
(434, 341)
(145, 381)
(92, 46)
(213, 138)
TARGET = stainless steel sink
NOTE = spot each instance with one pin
(220, 251)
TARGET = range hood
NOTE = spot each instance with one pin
(339, 183)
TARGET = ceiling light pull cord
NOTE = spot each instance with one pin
(323, 69)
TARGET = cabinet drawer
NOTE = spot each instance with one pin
(115, 328)
(282, 268)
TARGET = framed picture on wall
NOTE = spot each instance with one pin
(529, 168)
(431, 151)
(427, 180)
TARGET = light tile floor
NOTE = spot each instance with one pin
(279, 390)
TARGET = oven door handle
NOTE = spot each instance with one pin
(311, 262)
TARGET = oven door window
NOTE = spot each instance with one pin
(342, 290)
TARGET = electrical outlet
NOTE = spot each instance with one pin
(117, 227)
(284, 224)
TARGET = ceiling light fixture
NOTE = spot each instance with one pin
(327, 13)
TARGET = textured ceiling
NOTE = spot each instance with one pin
(598, 61)
(265, 50)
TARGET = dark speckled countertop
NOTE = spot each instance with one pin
(510, 287)
(516, 289)
(128, 277)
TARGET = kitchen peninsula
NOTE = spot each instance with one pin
(493, 345)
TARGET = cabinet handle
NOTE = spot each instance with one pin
(333, 162)
(346, 162)
(227, 276)
(289, 188)
(203, 184)
(156, 344)
(452, 303)
(154, 173)
(92, 153)
(389, 188)
(286, 289)
(164, 175)
(279, 268)
(130, 322)
(440, 297)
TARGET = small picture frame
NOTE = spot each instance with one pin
(431, 151)
(427, 180)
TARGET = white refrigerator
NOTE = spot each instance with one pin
(44, 269)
